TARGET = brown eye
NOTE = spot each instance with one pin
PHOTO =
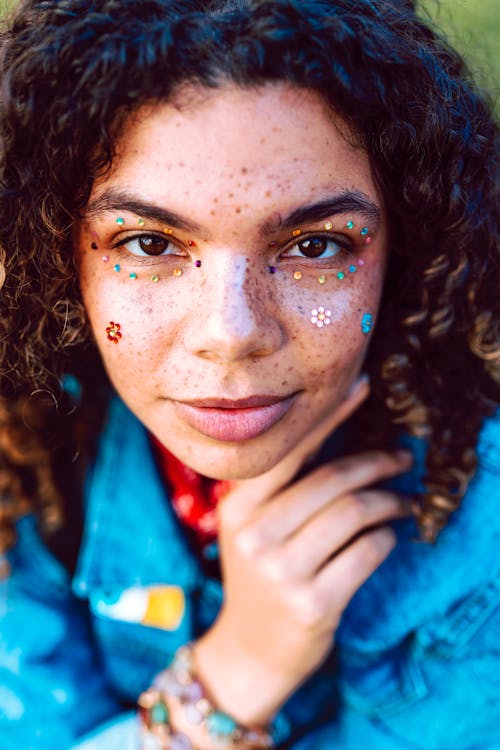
(313, 247)
(153, 245)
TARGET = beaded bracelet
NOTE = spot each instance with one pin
(180, 681)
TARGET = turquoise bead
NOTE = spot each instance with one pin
(220, 725)
(159, 714)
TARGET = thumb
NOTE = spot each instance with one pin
(248, 493)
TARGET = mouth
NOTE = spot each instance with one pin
(232, 420)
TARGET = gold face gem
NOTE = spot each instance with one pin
(328, 225)
(155, 278)
(141, 222)
(297, 275)
(322, 278)
(296, 232)
(177, 272)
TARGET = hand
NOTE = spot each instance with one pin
(293, 554)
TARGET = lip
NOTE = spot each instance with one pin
(232, 420)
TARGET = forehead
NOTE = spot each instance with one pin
(252, 146)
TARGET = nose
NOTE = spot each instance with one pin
(238, 319)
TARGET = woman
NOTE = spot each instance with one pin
(218, 219)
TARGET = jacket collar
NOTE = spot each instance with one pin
(131, 536)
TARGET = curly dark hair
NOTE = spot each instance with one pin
(73, 70)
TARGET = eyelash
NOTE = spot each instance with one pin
(123, 243)
(342, 247)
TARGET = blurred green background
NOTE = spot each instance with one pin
(473, 26)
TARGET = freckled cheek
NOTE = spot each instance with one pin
(139, 312)
(325, 326)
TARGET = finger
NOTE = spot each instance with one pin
(282, 517)
(252, 492)
(305, 553)
(339, 579)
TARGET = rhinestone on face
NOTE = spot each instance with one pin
(120, 221)
(191, 243)
(340, 275)
(350, 224)
(322, 278)
(197, 263)
(364, 231)
(297, 275)
(352, 269)
(296, 232)
(94, 246)
(361, 262)
(177, 272)
(155, 278)
(117, 267)
(113, 332)
(368, 241)
(272, 269)
(320, 317)
(366, 322)
(141, 222)
(328, 225)
(105, 258)
(133, 276)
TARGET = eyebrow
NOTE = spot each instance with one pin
(119, 200)
(345, 202)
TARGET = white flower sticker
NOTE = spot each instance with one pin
(321, 317)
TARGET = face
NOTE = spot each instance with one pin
(228, 263)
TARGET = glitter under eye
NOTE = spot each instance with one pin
(366, 322)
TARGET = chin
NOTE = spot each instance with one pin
(231, 461)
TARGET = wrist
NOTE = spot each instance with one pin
(176, 713)
(239, 684)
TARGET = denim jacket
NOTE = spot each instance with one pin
(416, 663)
